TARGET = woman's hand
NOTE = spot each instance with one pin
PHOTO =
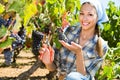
(46, 54)
(72, 47)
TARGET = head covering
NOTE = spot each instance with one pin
(102, 16)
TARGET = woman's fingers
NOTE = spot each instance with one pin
(72, 47)
(45, 45)
(65, 44)
(46, 54)
(51, 53)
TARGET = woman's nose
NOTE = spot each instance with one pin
(85, 17)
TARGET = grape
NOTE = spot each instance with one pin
(7, 22)
(48, 28)
(17, 37)
(20, 38)
(36, 41)
(22, 33)
(7, 56)
(61, 35)
(2, 22)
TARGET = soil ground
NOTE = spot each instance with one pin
(23, 62)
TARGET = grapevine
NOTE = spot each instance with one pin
(47, 17)
(19, 42)
(36, 41)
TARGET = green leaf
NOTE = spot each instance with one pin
(107, 27)
(17, 6)
(7, 42)
(29, 11)
(70, 5)
(5, 0)
(51, 1)
(29, 29)
(3, 31)
(17, 24)
(117, 50)
(118, 44)
(2, 8)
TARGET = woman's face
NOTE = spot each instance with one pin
(88, 16)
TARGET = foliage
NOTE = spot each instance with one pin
(7, 42)
(2, 8)
(3, 31)
(39, 14)
(111, 69)
(112, 28)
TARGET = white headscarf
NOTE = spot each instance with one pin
(102, 16)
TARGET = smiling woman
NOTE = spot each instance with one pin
(81, 56)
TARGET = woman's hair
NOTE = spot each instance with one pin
(99, 47)
(88, 3)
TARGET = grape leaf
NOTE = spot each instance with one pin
(3, 31)
(2, 8)
(7, 42)
(18, 6)
(29, 11)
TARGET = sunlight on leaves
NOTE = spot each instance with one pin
(29, 11)
(2, 8)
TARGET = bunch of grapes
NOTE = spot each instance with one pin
(19, 42)
(7, 22)
(8, 19)
(61, 35)
(22, 33)
(36, 41)
(20, 38)
(2, 22)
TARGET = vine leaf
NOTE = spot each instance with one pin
(3, 31)
(2, 8)
(7, 42)
(29, 11)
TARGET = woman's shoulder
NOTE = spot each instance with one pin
(104, 42)
(104, 45)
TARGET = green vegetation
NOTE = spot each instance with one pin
(41, 13)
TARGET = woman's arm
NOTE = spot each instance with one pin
(51, 67)
(80, 64)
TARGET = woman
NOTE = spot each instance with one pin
(82, 55)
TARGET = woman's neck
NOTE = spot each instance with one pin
(87, 34)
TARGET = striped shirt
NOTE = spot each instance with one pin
(65, 59)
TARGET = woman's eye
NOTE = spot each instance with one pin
(90, 14)
(81, 14)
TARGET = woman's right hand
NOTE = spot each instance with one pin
(46, 54)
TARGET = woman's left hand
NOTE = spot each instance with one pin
(72, 47)
(46, 54)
